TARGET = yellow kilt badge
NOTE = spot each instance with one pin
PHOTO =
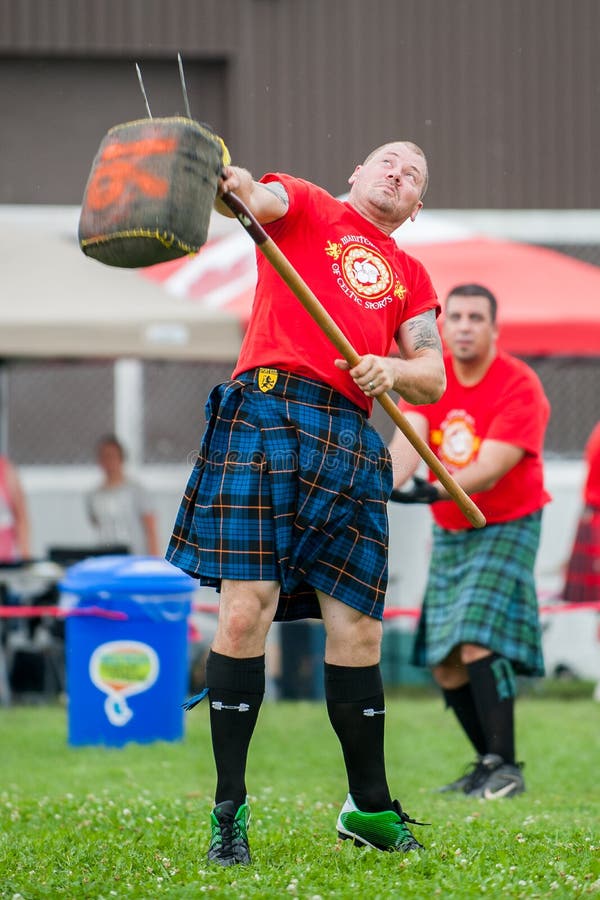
(267, 379)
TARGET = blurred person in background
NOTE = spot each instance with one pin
(14, 517)
(119, 508)
(582, 581)
(14, 546)
(479, 623)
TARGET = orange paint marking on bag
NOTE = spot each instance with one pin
(119, 170)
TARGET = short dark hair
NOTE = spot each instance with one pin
(475, 290)
(111, 440)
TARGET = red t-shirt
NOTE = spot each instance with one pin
(591, 492)
(508, 405)
(367, 284)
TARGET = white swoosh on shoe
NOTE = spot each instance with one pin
(501, 792)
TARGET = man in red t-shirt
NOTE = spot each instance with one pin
(286, 509)
(479, 622)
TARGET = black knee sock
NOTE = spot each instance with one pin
(493, 688)
(460, 701)
(356, 708)
(236, 689)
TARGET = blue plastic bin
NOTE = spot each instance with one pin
(126, 679)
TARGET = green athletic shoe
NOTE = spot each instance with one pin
(229, 835)
(384, 831)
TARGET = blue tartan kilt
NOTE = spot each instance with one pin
(291, 485)
(481, 590)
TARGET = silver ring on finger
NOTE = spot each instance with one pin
(371, 386)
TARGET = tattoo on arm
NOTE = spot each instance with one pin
(424, 333)
(280, 192)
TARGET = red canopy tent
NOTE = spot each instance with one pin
(548, 302)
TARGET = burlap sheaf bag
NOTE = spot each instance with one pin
(150, 192)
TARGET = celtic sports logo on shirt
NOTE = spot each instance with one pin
(366, 271)
(363, 273)
(457, 439)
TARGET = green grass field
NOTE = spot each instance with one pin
(103, 822)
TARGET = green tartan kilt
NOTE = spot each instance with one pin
(481, 590)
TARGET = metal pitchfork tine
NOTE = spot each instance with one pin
(143, 89)
(183, 87)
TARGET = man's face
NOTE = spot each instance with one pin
(110, 459)
(468, 330)
(388, 187)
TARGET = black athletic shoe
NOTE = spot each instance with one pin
(229, 834)
(497, 779)
(467, 780)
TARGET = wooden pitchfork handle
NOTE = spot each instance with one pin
(315, 309)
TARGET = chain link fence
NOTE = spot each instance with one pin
(57, 411)
(174, 398)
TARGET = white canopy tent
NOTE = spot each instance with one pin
(56, 302)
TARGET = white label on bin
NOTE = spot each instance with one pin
(120, 669)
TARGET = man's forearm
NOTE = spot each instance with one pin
(473, 479)
(405, 459)
(405, 462)
(495, 460)
(420, 380)
(264, 202)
